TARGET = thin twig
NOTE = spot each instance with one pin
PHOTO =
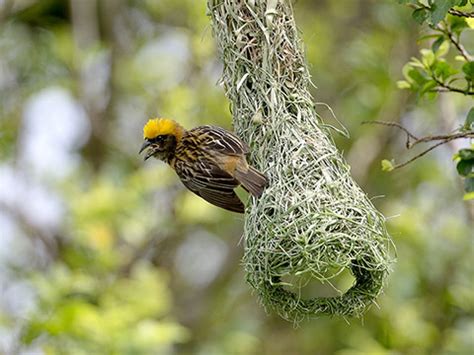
(448, 88)
(401, 165)
(461, 13)
(444, 138)
(450, 11)
(418, 6)
(448, 32)
(455, 41)
(399, 126)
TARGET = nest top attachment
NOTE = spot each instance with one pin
(313, 217)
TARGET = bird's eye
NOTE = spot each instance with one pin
(158, 139)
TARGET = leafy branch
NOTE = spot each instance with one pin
(433, 72)
(445, 30)
(443, 87)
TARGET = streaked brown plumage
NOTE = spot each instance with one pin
(209, 160)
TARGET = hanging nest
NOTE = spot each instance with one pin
(312, 219)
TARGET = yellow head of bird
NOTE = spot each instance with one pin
(162, 127)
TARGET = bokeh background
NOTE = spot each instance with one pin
(102, 253)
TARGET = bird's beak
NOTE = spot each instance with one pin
(145, 145)
(149, 154)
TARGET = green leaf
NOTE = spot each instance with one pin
(443, 49)
(387, 165)
(406, 70)
(458, 24)
(468, 69)
(439, 10)
(459, 2)
(465, 167)
(466, 154)
(469, 185)
(425, 37)
(469, 124)
(420, 15)
(431, 95)
(427, 57)
(416, 77)
(468, 196)
(436, 44)
(415, 62)
(428, 86)
(403, 84)
(443, 70)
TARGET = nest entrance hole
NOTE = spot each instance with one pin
(332, 283)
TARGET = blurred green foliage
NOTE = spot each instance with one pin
(446, 67)
(135, 264)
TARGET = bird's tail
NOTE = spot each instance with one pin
(252, 180)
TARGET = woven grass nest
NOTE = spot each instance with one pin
(313, 218)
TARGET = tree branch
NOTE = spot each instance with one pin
(401, 165)
(450, 11)
(461, 13)
(448, 88)
(397, 125)
(455, 41)
(446, 138)
(412, 140)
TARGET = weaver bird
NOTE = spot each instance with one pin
(209, 160)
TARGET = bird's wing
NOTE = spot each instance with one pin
(211, 183)
(218, 139)
(227, 200)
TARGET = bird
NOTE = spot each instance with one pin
(209, 160)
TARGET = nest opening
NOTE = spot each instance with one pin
(333, 283)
